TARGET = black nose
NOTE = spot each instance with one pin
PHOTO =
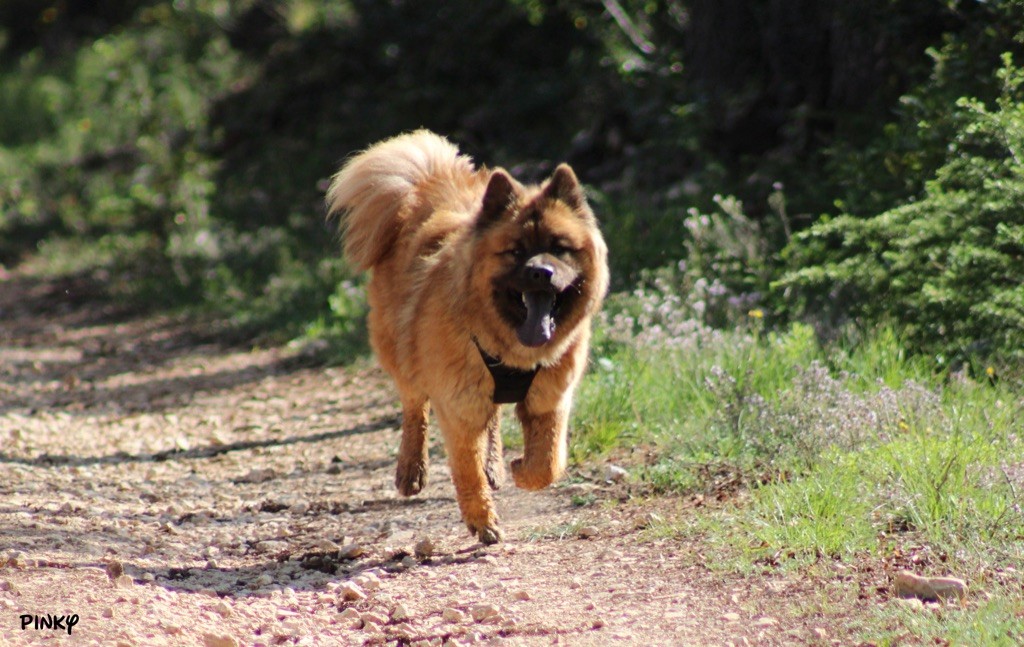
(540, 273)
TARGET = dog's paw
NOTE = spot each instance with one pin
(410, 478)
(490, 535)
(530, 479)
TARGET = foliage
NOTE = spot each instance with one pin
(947, 266)
(827, 457)
(205, 187)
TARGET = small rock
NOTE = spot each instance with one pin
(223, 609)
(219, 640)
(929, 589)
(350, 614)
(351, 591)
(352, 551)
(598, 623)
(587, 532)
(451, 614)
(403, 630)
(522, 595)
(327, 546)
(399, 613)
(614, 473)
(765, 621)
(819, 633)
(172, 630)
(124, 582)
(261, 475)
(264, 580)
(424, 548)
(730, 617)
(368, 581)
(114, 569)
(481, 612)
(271, 546)
(108, 612)
(299, 508)
(371, 618)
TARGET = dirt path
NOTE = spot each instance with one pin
(243, 492)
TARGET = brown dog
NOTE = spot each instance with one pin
(482, 292)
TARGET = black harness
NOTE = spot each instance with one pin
(510, 384)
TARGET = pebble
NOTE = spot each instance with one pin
(352, 551)
(522, 595)
(375, 619)
(223, 609)
(271, 546)
(350, 614)
(929, 589)
(368, 581)
(481, 612)
(351, 591)
(451, 614)
(219, 640)
(730, 617)
(114, 569)
(327, 546)
(124, 582)
(423, 548)
(587, 532)
(399, 613)
(615, 474)
(403, 630)
(766, 621)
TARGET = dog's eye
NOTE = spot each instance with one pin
(514, 252)
(560, 249)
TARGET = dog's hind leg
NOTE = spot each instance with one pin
(411, 475)
(494, 466)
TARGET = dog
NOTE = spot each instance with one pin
(481, 293)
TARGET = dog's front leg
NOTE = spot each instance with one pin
(545, 440)
(466, 443)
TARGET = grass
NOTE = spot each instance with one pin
(853, 453)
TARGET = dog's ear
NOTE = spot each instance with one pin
(564, 186)
(500, 194)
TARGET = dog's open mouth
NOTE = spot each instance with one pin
(538, 327)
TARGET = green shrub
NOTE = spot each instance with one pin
(947, 267)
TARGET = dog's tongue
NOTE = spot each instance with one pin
(539, 324)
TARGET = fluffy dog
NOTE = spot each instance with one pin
(482, 292)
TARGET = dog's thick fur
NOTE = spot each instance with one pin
(464, 260)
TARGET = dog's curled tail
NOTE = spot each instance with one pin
(375, 192)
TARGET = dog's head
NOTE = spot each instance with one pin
(543, 254)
